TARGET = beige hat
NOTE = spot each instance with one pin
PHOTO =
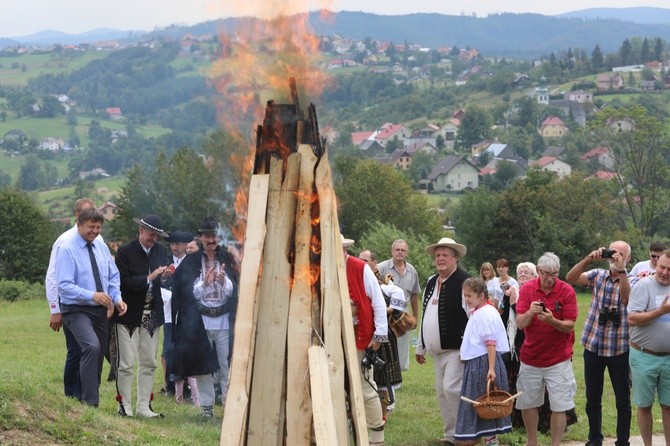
(447, 242)
(346, 242)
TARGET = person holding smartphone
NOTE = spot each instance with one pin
(547, 311)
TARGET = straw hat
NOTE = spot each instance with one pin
(446, 242)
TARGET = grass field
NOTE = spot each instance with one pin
(16, 70)
(34, 411)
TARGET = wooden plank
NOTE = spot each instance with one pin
(298, 404)
(331, 247)
(233, 426)
(353, 367)
(325, 433)
(265, 423)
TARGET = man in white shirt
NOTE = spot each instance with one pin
(647, 267)
(442, 328)
(71, 380)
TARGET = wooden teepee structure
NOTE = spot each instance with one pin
(294, 378)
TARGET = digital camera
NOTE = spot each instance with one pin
(607, 253)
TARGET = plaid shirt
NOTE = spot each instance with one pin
(607, 339)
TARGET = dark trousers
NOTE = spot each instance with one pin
(71, 380)
(594, 376)
(89, 326)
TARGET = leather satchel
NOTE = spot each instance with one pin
(403, 324)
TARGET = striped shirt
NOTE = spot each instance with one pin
(608, 339)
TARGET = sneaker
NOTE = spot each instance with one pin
(207, 413)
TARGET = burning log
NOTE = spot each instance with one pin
(295, 376)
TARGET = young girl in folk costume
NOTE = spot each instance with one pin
(484, 340)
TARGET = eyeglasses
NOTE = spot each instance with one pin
(547, 273)
(399, 250)
(654, 256)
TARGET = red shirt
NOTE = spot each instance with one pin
(545, 346)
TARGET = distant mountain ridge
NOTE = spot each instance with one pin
(637, 14)
(505, 34)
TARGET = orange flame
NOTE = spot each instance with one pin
(254, 66)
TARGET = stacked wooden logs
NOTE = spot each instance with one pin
(294, 377)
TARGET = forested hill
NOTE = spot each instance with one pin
(524, 35)
(501, 34)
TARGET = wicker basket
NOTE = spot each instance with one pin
(495, 404)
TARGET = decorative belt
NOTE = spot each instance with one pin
(213, 311)
(645, 350)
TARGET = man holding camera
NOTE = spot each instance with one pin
(368, 309)
(605, 337)
(546, 311)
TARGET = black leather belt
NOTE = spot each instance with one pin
(645, 350)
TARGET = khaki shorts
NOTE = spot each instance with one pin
(559, 380)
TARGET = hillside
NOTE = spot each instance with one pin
(506, 34)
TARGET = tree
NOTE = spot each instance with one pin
(659, 47)
(371, 193)
(31, 175)
(626, 53)
(640, 151)
(380, 238)
(597, 60)
(50, 107)
(475, 127)
(537, 214)
(645, 52)
(184, 188)
(421, 166)
(26, 236)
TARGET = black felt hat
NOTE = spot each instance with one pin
(210, 225)
(153, 222)
(179, 237)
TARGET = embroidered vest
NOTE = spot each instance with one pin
(365, 327)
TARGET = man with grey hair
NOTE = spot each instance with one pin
(405, 277)
(442, 328)
(605, 336)
(649, 321)
(547, 311)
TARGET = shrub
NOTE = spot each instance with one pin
(13, 290)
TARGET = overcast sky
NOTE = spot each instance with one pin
(24, 17)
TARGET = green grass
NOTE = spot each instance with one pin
(57, 203)
(32, 65)
(33, 410)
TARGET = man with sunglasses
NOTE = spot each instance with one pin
(547, 311)
(605, 337)
(648, 267)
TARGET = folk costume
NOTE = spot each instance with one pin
(369, 323)
(137, 331)
(203, 317)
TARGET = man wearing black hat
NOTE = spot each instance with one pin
(178, 241)
(204, 299)
(141, 263)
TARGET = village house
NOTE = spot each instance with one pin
(113, 113)
(51, 143)
(553, 127)
(580, 96)
(609, 81)
(601, 155)
(453, 173)
(389, 131)
(108, 210)
(552, 164)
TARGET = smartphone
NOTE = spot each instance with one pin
(544, 308)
